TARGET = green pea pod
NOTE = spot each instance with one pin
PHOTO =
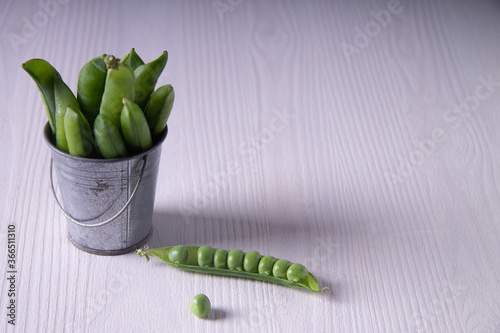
(108, 138)
(132, 59)
(119, 85)
(187, 258)
(135, 127)
(159, 108)
(78, 133)
(91, 82)
(61, 142)
(146, 77)
(63, 97)
(44, 74)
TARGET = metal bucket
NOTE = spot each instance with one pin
(108, 202)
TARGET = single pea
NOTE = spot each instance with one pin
(178, 254)
(235, 259)
(280, 267)
(220, 259)
(200, 306)
(251, 261)
(296, 272)
(205, 256)
(266, 265)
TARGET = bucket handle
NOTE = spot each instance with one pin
(80, 223)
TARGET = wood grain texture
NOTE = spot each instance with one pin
(358, 138)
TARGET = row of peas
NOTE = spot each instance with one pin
(252, 262)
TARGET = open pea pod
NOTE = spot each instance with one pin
(233, 263)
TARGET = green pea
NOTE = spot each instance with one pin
(146, 77)
(200, 305)
(280, 267)
(266, 265)
(108, 138)
(159, 108)
(235, 259)
(178, 254)
(132, 59)
(220, 259)
(135, 127)
(120, 84)
(296, 272)
(251, 261)
(205, 256)
(43, 73)
(78, 133)
(91, 84)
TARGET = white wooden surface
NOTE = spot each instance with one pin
(358, 137)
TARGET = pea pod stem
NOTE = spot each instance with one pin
(191, 264)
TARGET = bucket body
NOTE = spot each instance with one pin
(96, 190)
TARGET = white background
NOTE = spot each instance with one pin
(360, 138)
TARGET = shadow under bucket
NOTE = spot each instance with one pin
(108, 202)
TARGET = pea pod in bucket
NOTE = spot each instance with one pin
(119, 85)
(135, 127)
(44, 74)
(234, 263)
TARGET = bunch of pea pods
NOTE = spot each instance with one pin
(116, 112)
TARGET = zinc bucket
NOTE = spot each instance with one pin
(108, 203)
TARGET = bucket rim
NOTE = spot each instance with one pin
(49, 139)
